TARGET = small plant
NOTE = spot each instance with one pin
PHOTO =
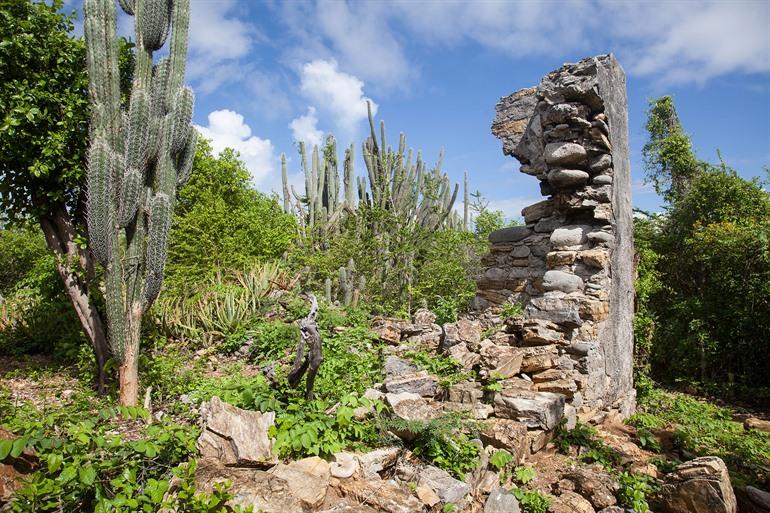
(633, 492)
(500, 459)
(532, 501)
(648, 440)
(509, 310)
(590, 447)
(449, 508)
(524, 474)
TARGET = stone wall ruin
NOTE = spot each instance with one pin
(570, 265)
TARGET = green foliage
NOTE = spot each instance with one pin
(440, 441)
(532, 501)
(509, 310)
(590, 447)
(703, 428)
(448, 369)
(221, 224)
(524, 474)
(500, 459)
(634, 489)
(20, 250)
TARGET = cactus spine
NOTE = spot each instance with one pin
(137, 158)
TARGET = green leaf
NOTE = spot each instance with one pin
(5, 448)
(87, 474)
(18, 446)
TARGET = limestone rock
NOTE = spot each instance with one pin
(378, 460)
(466, 392)
(403, 376)
(565, 154)
(444, 485)
(758, 424)
(383, 496)
(506, 434)
(307, 478)
(702, 484)
(423, 317)
(500, 501)
(234, 436)
(250, 487)
(389, 330)
(427, 495)
(593, 483)
(345, 464)
(408, 406)
(564, 178)
(346, 507)
(570, 502)
(537, 332)
(502, 361)
(534, 409)
(462, 354)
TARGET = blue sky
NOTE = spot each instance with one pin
(267, 73)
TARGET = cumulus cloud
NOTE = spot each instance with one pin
(673, 41)
(335, 92)
(305, 128)
(227, 129)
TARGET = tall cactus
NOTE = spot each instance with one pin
(138, 156)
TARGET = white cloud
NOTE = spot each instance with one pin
(219, 39)
(227, 129)
(305, 128)
(674, 41)
(335, 92)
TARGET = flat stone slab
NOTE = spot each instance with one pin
(543, 410)
(510, 234)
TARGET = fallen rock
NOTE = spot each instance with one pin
(261, 490)
(570, 502)
(383, 496)
(378, 460)
(14, 470)
(423, 317)
(506, 434)
(403, 376)
(234, 436)
(501, 361)
(500, 501)
(389, 330)
(534, 409)
(466, 392)
(427, 495)
(758, 424)
(346, 507)
(752, 500)
(593, 483)
(408, 406)
(462, 354)
(702, 484)
(345, 464)
(307, 478)
(443, 484)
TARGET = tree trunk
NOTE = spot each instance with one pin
(60, 238)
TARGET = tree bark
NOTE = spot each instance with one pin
(60, 238)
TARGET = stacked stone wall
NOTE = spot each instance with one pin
(570, 264)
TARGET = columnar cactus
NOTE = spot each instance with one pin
(138, 156)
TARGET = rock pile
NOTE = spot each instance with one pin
(570, 265)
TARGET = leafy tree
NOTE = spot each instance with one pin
(221, 222)
(43, 135)
(668, 156)
(20, 249)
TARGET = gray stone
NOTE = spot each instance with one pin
(600, 162)
(378, 460)
(542, 410)
(702, 484)
(569, 236)
(600, 236)
(536, 211)
(593, 483)
(510, 234)
(403, 376)
(548, 224)
(752, 500)
(564, 178)
(564, 154)
(234, 436)
(409, 406)
(563, 281)
(602, 180)
(520, 252)
(500, 501)
(445, 486)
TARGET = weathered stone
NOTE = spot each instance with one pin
(501, 361)
(569, 237)
(602, 180)
(702, 484)
(510, 234)
(538, 439)
(563, 178)
(564, 154)
(467, 392)
(424, 317)
(403, 376)
(758, 424)
(383, 496)
(548, 224)
(556, 308)
(410, 406)
(389, 330)
(536, 332)
(500, 501)
(506, 434)
(307, 478)
(234, 436)
(596, 257)
(752, 500)
(520, 252)
(378, 460)
(570, 502)
(537, 211)
(444, 485)
(534, 409)
(593, 483)
(346, 507)
(478, 410)
(539, 358)
(427, 495)
(600, 162)
(462, 354)
(558, 258)
(562, 281)
(261, 490)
